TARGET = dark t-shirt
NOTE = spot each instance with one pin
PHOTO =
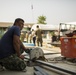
(6, 42)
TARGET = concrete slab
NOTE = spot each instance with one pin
(29, 71)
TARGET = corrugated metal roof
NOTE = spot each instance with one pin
(71, 23)
(7, 24)
(45, 27)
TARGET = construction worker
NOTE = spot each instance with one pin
(39, 36)
(11, 48)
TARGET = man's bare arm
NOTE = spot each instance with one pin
(16, 44)
(22, 46)
(27, 50)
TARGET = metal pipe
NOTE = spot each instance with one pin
(50, 53)
(55, 67)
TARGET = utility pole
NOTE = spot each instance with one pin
(32, 13)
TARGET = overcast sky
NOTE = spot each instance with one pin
(56, 11)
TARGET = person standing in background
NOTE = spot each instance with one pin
(34, 37)
(27, 36)
(39, 36)
(22, 36)
(30, 37)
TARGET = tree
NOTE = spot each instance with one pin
(41, 19)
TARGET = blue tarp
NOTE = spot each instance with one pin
(28, 44)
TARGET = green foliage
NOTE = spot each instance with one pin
(52, 33)
(26, 29)
(41, 19)
(1, 33)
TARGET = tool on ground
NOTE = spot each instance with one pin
(36, 53)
